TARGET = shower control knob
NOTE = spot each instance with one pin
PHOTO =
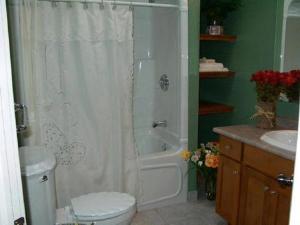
(164, 82)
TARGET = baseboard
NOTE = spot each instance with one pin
(192, 196)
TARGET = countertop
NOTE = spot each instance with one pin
(251, 135)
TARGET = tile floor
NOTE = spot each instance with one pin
(191, 213)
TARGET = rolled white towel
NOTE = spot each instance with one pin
(205, 60)
(213, 69)
(211, 66)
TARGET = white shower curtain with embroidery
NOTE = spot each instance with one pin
(75, 74)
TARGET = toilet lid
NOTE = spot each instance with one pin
(103, 205)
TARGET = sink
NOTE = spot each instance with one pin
(285, 139)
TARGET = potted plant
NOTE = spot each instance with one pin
(269, 86)
(206, 160)
(216, 12)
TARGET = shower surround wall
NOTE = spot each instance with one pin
(160, 48)
(156, 52)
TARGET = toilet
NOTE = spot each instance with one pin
(102, 208)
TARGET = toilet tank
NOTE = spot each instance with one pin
(37, 168)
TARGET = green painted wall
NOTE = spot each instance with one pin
(258, 27)
(194, 24)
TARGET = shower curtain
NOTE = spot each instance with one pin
(75, 74)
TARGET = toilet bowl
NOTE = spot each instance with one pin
(103, 208)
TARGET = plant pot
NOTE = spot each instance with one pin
(266, 115)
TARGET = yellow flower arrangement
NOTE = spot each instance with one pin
(186, 154)
(207, 156)
(206, 159)
(212, 161)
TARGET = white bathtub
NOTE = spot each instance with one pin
(163, 175)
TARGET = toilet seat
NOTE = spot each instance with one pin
(102, 205)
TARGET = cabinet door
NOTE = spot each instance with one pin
(228, 189)
(282, 215)
(281, 200)
(255, 198)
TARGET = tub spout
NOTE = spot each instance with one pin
(161, 123)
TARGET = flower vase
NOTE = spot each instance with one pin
(266, 115)
(210, 188)
(200, 185)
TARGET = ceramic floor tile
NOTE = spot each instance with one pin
(173, 213)
(189, 222)
(191, 213)
(150, 217)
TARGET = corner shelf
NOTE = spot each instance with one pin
(224, 37)
(207, 108)
(209, 75)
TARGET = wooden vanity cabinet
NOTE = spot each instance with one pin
(263, 202)
(228, 182)
(254, 196)
(247, 190)
(228, 189)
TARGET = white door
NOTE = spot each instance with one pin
(295, 215)
(11, 196)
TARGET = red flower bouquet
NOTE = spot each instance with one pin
(290, 84)
(269, 86)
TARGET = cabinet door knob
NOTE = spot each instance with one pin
(273, 192)
(235, 172)
(227, 147)
(266, 188)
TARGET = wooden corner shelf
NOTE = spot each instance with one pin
(207, 108)
(224, 37)
(216, 74)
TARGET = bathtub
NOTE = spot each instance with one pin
(163, 174)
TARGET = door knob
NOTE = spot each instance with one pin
(266, 188)
(227, 147)
(285, 181)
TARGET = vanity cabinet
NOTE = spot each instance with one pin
(247, 190)
(229, 175)
(263, 202)
(228, 189)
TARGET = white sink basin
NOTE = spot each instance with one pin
(285, 139)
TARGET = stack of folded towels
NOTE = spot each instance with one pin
(210, 65)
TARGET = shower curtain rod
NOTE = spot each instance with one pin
(118, 3)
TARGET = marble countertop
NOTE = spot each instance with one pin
(251, 135)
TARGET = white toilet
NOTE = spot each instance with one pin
(103, 208)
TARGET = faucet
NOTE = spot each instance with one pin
(160, 123)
